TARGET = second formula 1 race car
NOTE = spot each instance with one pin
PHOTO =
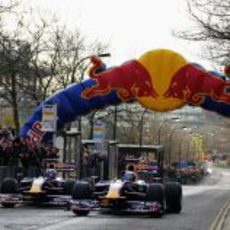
(40, 190)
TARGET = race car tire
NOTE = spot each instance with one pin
(81, 213)
(82, 190)
(9, 185)
(156, 193)
(8, 205)
(68, 187)
(173, 192)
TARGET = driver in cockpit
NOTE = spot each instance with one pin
(129, 174)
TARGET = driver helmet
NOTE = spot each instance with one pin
(51, 172)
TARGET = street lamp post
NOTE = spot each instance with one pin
(142, 127)
(163, 123)
(170, 145)
(184, 131)
(188, 150)
(184, 128)
(84, 59)
(180, 148)
(115, 123)
(159, 133)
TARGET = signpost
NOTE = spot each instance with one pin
(99, 135)
(99, 138)
(49, 119)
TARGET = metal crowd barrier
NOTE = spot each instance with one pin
(12, 171)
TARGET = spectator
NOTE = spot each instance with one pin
(22, 153)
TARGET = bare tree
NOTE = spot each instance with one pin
(14, 59)
(39, 58)
(7, 6)
(72, 56)
(17, 75)
(211, 27)
(9, 58)
(132, 120)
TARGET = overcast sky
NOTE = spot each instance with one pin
(131, 27)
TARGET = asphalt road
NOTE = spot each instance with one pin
(201, 205)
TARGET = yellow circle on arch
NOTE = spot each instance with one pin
(161, 64)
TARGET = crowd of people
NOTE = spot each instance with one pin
(189, 175)
(22, 153)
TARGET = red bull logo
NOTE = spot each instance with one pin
(130, 81)
(144, 80)
(194, 84)
(162, 64)
(160, 80)
(36, 133)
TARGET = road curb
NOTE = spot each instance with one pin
(219, 221)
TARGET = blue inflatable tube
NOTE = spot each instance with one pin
(70, 105)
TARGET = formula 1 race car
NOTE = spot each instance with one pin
(140, 197)
(41, 190)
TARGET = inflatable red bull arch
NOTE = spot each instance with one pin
(160, 80)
